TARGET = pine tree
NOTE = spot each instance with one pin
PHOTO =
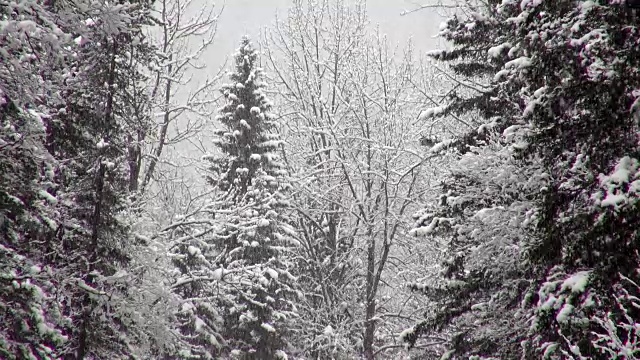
(252, 242)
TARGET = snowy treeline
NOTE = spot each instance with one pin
(538, 217)
(353, 199)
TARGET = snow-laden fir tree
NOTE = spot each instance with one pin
(579, 63)
(478, 220)
(479, 224)
(88, 135)
(567, 75)
(64, 241)
(32, 323)
(254, 305)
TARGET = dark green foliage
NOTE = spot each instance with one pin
(587, 137)
(564, 94)
(64, 108)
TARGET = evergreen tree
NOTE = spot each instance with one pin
(32, 53)
(252, 243)
(32, 323)
(480, 223)
(64, 109)
(568, 91)
(579, 64)
(256, 236)
(88, 136)
(480, 219)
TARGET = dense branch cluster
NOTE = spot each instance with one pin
(540, 218)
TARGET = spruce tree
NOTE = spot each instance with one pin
(572, 110)
(63, 181)
(249, 291)
(255, 234)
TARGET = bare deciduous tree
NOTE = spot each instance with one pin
(349, 107)
(181, 104)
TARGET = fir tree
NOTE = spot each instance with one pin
(257, 239)
(570, 92)
(485, 199)
(252, 242)
(34, 323)
(581, 77)
(88, 136)
(64, 187)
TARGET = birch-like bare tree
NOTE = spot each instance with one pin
(181, 104)
(349, 111)
(162, 174)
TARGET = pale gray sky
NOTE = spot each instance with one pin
(250, 16)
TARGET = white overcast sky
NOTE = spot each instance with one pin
(249, 17)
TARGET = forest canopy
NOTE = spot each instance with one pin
(327, 194)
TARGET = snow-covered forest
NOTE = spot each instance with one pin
(328, 194)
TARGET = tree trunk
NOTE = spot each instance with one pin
(96, 217)
(370, 325)
(133, 154)
(162, 135)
